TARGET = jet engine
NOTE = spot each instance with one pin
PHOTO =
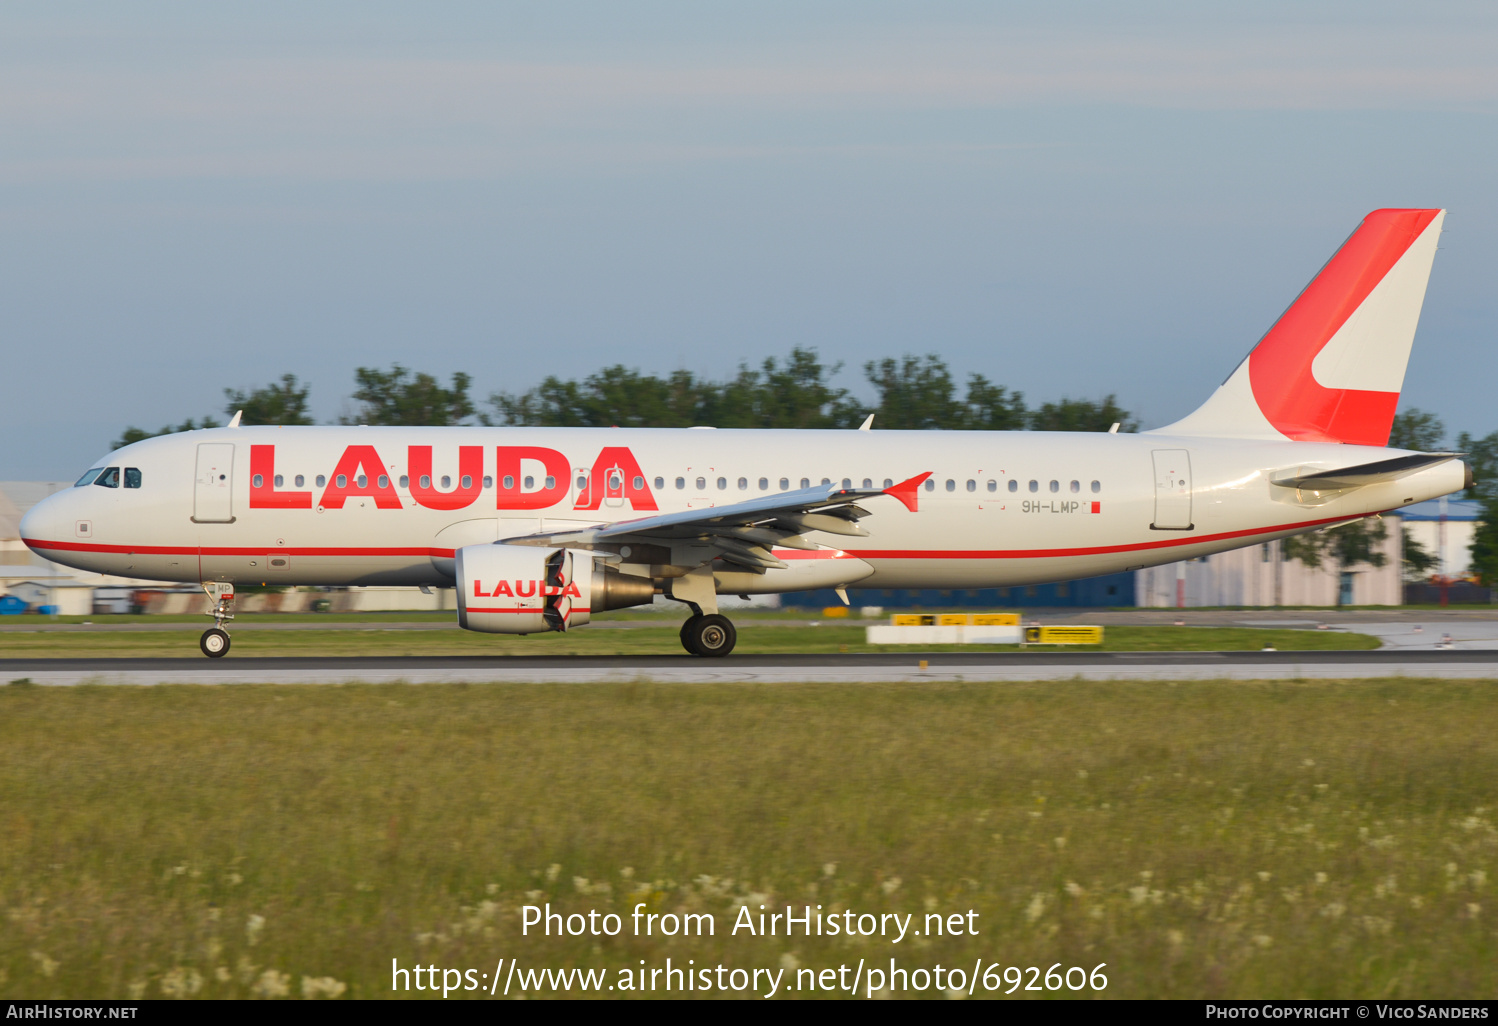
(520, 589)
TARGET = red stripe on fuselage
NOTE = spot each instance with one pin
(1096, 550)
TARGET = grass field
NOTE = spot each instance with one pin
(1209, 839)
(772, 636)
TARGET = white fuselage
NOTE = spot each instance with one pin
(1001, 508)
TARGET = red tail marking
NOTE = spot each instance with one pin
(905, 491)
(1279, 368)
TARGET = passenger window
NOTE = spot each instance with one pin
(582, 483)
(488, 481)
(743, 484)
(930, 484)
(639, 483)
(278, 479)
(660, 483)
(785, 484)
(530, 482)
(88, 477)
(362, 481)
(806, 482)
(951, 485)
(509, 482)
(1096, 487)
(299, 480)
(384, 481)
(465, 482)
(1055, 486)
(1034, 485)
(257, 481)
(322, 480)
(764, 484)
(1076, 486)
(889, 482)
(110, 478)
(406, 481)
(702, 484)
(551, 482)
(993, 486)
(972, 485)
(1014, 484)
(722, 483)
(132, 477)
(681, 483)
(447, 482)
(847, 482)
(615, 482)
(426, 481)
(342, 480)
(826, 480)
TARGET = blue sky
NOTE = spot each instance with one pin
(1073, 200)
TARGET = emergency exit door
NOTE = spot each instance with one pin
(213, 488)
(1172, 490)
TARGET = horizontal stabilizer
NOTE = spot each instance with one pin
(1366, 473)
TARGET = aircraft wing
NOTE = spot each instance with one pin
(1364, 474)
(743, 532)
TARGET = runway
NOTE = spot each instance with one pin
(1475, 664)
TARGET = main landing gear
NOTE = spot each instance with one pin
(706, 632)
(215, 640)
(708, 635)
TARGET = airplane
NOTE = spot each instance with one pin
(539, 528)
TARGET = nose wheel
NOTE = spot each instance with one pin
(710, 635)
(215, 640)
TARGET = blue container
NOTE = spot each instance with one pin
(48, 610)
(10, 605)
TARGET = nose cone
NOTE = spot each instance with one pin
(41, 524)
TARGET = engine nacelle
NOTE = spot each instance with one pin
(521, 589)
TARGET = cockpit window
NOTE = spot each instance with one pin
(110, 478)
(132, 477)
(88, 477)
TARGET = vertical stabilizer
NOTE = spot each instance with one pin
(1331, 368)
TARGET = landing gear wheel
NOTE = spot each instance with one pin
(711, 635)
(686, 633)
(214, 643)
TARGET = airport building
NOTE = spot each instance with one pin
(1260, 575)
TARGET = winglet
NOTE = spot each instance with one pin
(868, 422)
(235, 422)
(905, 491)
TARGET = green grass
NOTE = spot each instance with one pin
(1203, 839)
(829, 636)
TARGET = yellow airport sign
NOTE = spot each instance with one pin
(1067, 635)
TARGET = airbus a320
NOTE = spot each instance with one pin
(540, 528)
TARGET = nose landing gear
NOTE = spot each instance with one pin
(215, 640)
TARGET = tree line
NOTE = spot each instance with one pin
(911, 393)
